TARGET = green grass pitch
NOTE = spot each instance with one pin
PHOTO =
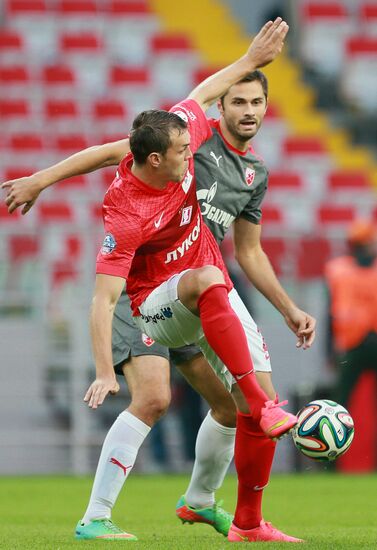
(329, 511)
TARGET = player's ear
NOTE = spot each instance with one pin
(220, 106)
(265, 110)
(154, 159)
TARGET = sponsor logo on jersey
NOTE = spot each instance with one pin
(249, 175)
(217, 159)
(187, 182)
(181, 250)
(211, 212)
(186, 215)
(147, 340)
(165, 313)
(108, 245)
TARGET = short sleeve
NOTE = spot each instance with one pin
(191, 112)
(252, 211)
(122, 238)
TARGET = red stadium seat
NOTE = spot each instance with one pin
(10, 41)
(334, 214)
(298, 145)
(202, 73)
(324, 10)
(26, 142)
(5, 217)
(343, 180)
(76, 7)
(81, 42)
(275, 248)
(285, 181)
(120, 8)
(96, 212)
(15, 173)
(120, 75)
(58, 75)
(105, 109)
(69, 143)
(361, 46)
(61, 108)
(25, 7)
(312, 254)
(271, 215)
(53, 212)
(22, 247)
(170, 43)
(14, 75)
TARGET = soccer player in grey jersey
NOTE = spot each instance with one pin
(231, 185)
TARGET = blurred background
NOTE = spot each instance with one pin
(74, 73)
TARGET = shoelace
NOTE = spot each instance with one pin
(110, 525)
(281, 404)
(219, 511)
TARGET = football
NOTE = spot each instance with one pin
(324, 430)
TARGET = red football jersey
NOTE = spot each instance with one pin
(152, 234)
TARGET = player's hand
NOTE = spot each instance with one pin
(303, 325)
(268, 43)
(99, 389)
(22, 191)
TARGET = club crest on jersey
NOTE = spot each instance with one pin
(249, 176)
(147, 340)
(186, 215)
(108, 245)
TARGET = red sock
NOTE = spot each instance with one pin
(226, 336)
(253, 455)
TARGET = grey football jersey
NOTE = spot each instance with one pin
(229, 184)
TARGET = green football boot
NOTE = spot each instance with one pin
(213, 515)
(101, 529)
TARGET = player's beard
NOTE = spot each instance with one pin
(241, 133)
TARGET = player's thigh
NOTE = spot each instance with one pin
(127, 339)
(165, 319)
(148, 379)
(201, 376)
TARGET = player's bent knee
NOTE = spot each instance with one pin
(208, 276)
(150, 408)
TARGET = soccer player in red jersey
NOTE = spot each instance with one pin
(265, 531)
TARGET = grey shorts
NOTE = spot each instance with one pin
(128, 340)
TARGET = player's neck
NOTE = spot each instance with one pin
(148, 177)
(241, 146)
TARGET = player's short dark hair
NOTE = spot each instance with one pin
(252, 77)
(151, 132)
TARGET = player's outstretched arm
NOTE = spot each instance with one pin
(258, 269)
(267, 45)
(25, 191)
(106, 295)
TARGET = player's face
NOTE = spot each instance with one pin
(174, 163)
(244, 109)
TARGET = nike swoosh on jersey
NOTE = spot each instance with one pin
(157, 223)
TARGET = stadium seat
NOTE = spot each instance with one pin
(15, 114)
(285, 181)
(61, 114)
(276, 249)
(345, 186)
(110, 115)
(333, 220)
(12, 47)
(78, 15)
(360, 67)
(58, 81)
(272, 215)
(368, 18)
(67, 144)
(174, 66)
(133, 85)
(14, 81)
(311, 256)
(325, 27)
(54, 212)
(129, 26)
